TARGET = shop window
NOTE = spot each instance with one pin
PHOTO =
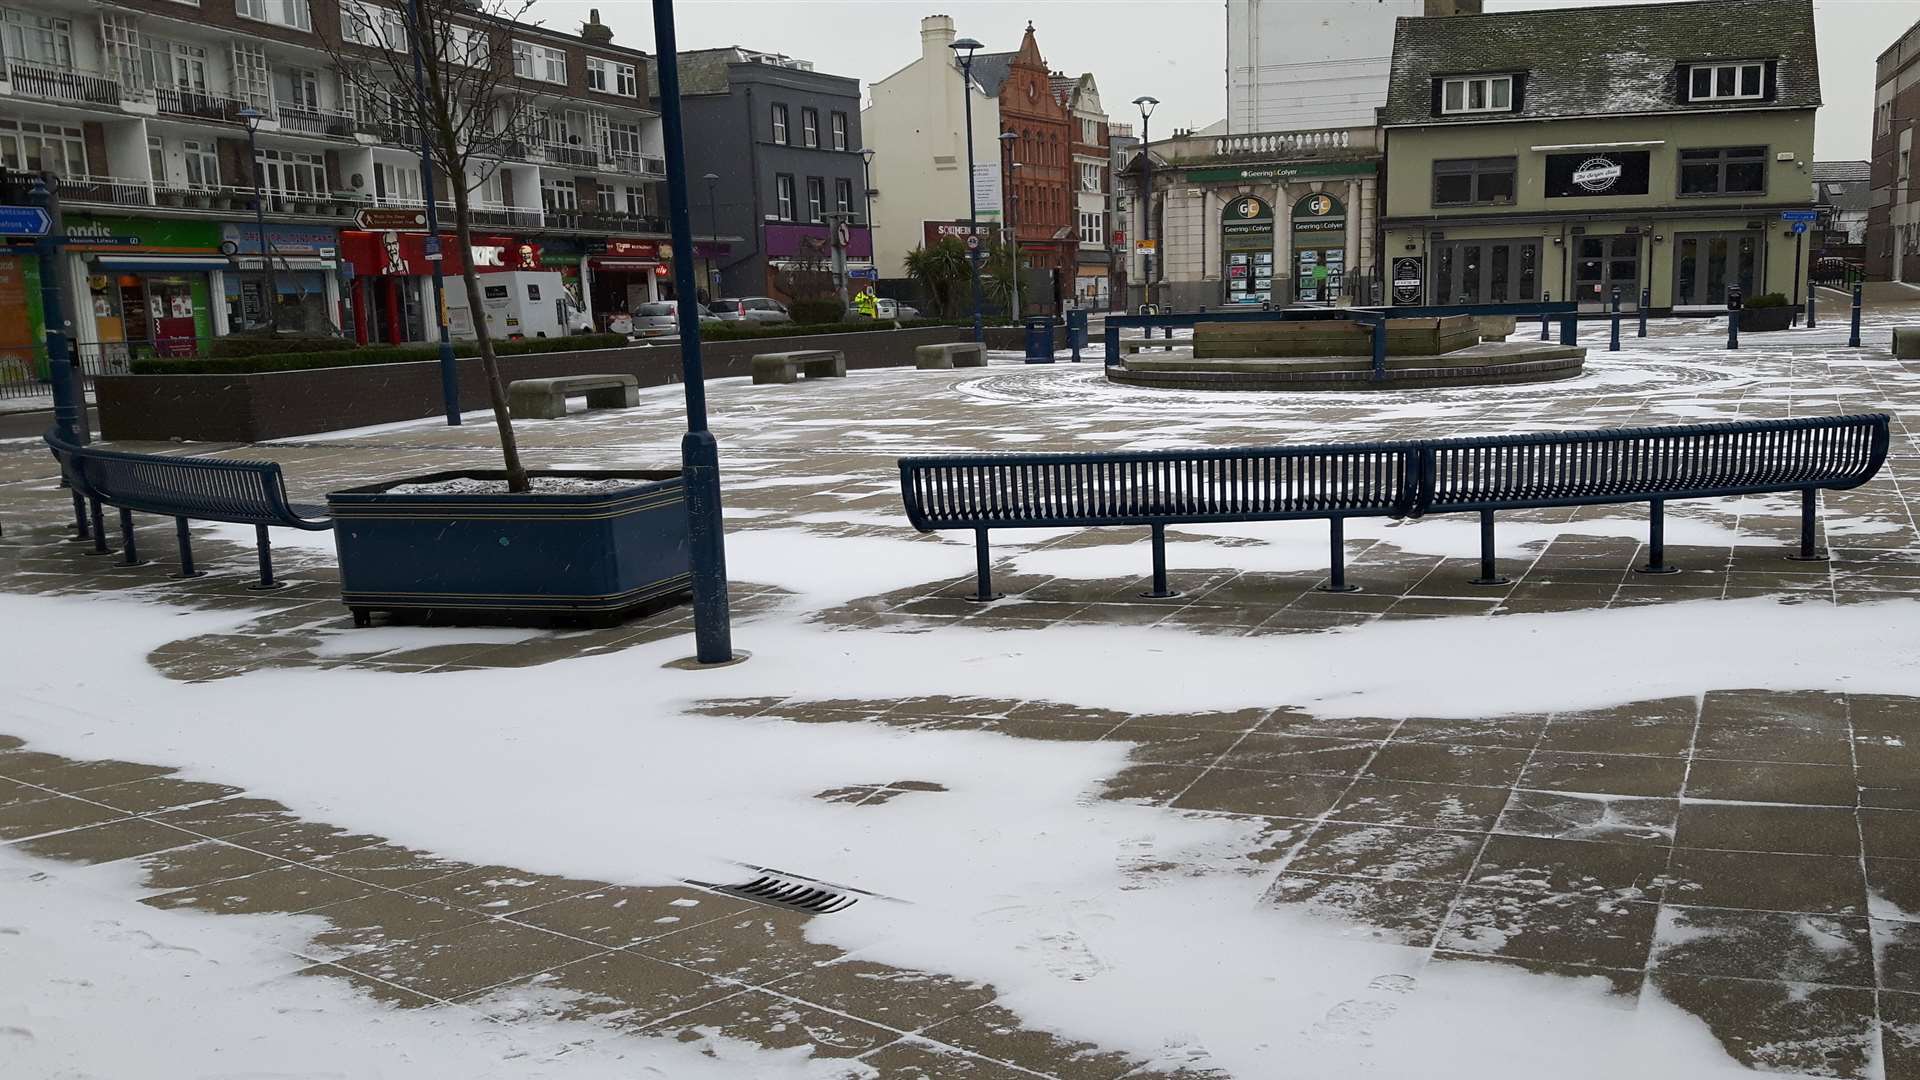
(837, 123)
(1474, 181)
(1737, 170)
(1727, 82)
(809, 127)
(780, 124)
(1476, 94)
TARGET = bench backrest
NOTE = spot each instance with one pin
(1635, 464)
(1012, 490)
(206, 489)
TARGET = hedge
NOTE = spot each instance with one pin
(357, 355)
(268, 344)
(733, 331)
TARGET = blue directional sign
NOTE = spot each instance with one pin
(1799, 215)
(24, 221)
(1799, 227)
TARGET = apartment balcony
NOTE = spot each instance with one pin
(640, 165)
(105, 191)
(197, 104)
(296, 120)
(67, 86)
(604, 221)
(484, 215)
(579, 157)
(390, 132)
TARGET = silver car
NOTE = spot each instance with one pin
(658, 319)
(753, 309)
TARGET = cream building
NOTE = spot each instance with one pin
(917, 124)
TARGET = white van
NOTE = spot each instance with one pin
(517, 304)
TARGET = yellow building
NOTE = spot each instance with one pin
(1571, 152)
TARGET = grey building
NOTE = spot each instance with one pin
(783, 144)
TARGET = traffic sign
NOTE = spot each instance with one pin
(1799, 227)
(24, 221)
(389, 220)
(973, 241)
(1799, 215)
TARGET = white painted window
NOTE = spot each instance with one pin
(1090, 131)
(203, 164)
(637, 202)
(780, 124)
(605, 195)
(809, 127)
(1727, 82)
(622, 139)
(289, 13)
(299, 89)
(128, 55)
(783, 195)
(189, 67)
(1090, 179)
(816, 199)
(843, 195)
(612, 77)
(157, 159)
(1883, 119)
(837, 122)
(252, 78)
(288, 172)
(398, 184)
(539, 62)
(25, 144)
(559, 195)
(463, 45)
(38, 39)
(1093, 228)
(1477, 94)
(373, 25)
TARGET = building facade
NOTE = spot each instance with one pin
(1893, 213)
(1300, 64)
(1093, 285)
(1040, 170)
(783, 142)
(1122, 146)
(142, 108)
(1514, 174)
(916, 120)
(1842, 194)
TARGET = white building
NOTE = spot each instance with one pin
(917, 126)
(1302, 64)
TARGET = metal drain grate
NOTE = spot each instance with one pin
(797, 895)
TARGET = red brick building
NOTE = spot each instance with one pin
(1893, 215)
(1042, 187)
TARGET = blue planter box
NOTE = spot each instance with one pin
(597, 556)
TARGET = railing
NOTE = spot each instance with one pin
(105, 189)
(1272, 145)
(603, 221)
(499, 215)
(635, 165)
(23, 368)
(64, 84)
(316, 122)
(1284, 142)
(388, 131)
(578, 156)
(200, 104)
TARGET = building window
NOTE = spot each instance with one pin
(252, 78)
(780, 124)
(539, 62)
(1477, 94)
(1093, 229)
(1090, 131)
(637, 202)
(611, 77)
(134, 61)
(1727, 82)
(38, 39)
(462, 44)
(29, 146)
(843, 195)
(605, 195)
(285, 172)
(837, 124)
(559, 195)
(1474, 181)
(809, 127)
(377, 27)
(1090, 178)
(816, 199)
(1883, 119)
(292, 13)
(299, 90)
(783, 196)
(622, 139)
(157, 159)
(203, 164)
(1737, 170)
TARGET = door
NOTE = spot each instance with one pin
(1486, 271)
(1706, 265)
(1604, 263)
(190, 68)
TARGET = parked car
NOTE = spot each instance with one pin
(658, 319)
(894, 309)
(754, 309)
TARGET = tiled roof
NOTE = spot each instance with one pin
(1840, 172)
(991, 69)
(1604, 60)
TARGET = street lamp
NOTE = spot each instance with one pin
(966, 47)
(449, 371)
(1146, 105)
(699, 453)
(713, 228)
(1007, 139)
(866, 207)
(251, 116)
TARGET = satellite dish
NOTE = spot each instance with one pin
(358, 181)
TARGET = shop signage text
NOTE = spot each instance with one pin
(1282, 172)
(1319, 213)
(1408, 279)
(1589, 175)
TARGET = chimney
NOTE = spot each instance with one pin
(936, 34)
(595, 32)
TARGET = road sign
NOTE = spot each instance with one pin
(1799, 215)
(432, 252)
(392, 220)
(24, 221)
(1799, 227)
(1144, 247)
(973, 241)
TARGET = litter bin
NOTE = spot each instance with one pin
(1077, 329)
(1040, 339)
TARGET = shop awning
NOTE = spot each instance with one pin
(286, 262)
(629, 265)
(161, 263)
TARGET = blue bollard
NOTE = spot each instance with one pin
(1646, 297)
(1570, 329)
(1545, 333)
(1613, 341)
(1733, 317)
(1853, 338)
(1811, 293)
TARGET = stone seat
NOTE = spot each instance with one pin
(546, 399)
(950, 354)
(786, 367)
(1129, 346)
(1906, 342)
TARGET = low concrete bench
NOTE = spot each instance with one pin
(786, 367)
(1906, 342)
(953, 354)
(546, 399)
(1129, 346)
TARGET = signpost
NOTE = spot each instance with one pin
(25, 221)
(1799, 219)
(390, 220)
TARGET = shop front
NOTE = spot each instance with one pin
(153, 298)
(392, 279)
(1246, 243)
(304, 279)
(621, 275)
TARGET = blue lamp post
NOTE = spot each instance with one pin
(1146, 105)
(966, 47)
(251, 117)
(699, 453)
(449, 372)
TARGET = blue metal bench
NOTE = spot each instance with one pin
(1404, 479)
(184, 488)
(1157, 489)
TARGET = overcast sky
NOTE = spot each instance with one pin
(1174, 50)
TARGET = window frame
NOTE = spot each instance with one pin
(1474, 169)
(816, 200)
(299, 11)
(1722, 162)
(843, 195)
(542, 61)
(784, 196)
(837, 129)
(1467, 84)
(810, 128)
(1712, 72)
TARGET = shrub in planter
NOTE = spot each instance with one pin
(1767, 313)
(1767, 300)
(274, 344)
(816, 312)
(245, 363)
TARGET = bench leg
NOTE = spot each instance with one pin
(1807, 552)
(1337, 579)
(1160, 590)
(265, 546)
(130, 555)
(80, 529)
(99, 529)
(983, 573)
(1657, 540)
(1489, 573)
(362, 617)
(184, 537)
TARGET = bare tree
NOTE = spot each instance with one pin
(461, 97)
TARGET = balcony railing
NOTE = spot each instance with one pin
(578, 156)
(111, 191)
(393, 132)
(604, 221)
(306, 121)
(199, 104)
(636, 165)
(52, 83)
(1349, 142)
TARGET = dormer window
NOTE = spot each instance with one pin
(1476, 94)
(1744, 81)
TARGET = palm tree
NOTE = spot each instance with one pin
(940, 270)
